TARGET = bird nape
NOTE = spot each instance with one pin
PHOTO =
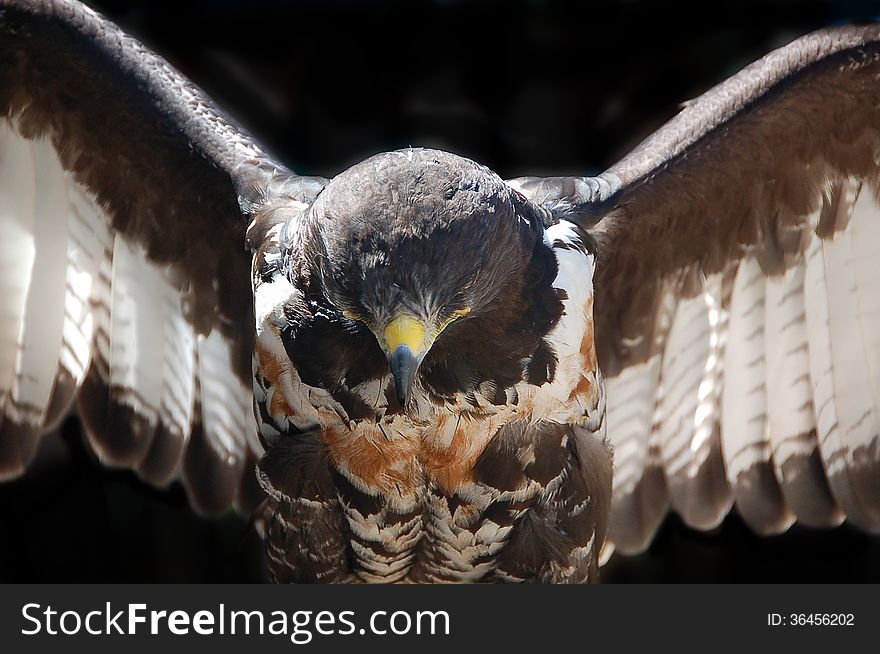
(418, 371)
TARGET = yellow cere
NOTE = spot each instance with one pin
(405, 330)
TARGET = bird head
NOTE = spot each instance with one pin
(431, 264)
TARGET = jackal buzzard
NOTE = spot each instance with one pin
(407, 367)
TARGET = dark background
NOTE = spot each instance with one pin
(525, 87)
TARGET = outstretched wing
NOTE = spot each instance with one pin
(124, 275)
(738, 297)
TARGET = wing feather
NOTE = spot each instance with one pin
(17, 252)
(852, 371)
(799, 434)
(748, 455)
(791, 417)
(103, 325)
(125, 280)
(136, 345)
(769, 180)
(88, 240)
(688, 410)
(640, 491)
(217, 455)
(37, 343)
(177, 399)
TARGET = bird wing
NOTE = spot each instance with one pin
(738, 305)
(125, 284)
(737, 297)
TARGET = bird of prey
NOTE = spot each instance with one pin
(417, 371)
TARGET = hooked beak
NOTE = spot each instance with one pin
(407, 343)
(404, 364)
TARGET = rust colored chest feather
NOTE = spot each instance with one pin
(459, 501)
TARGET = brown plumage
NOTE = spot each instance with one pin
(431, 366)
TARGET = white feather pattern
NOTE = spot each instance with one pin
(687, 349)
(853, 387)
(89, 242)
(630, 418)
(178, 365)
(688, 409)
(226, 403)
(799, 384)
(745, 440)
(865, 228)
(136, 352)
(828, 433)
(631, 408)
(175, 409)
(791, 418)
(79, 300)
(17, 206)
(574, 276)
(39, 340)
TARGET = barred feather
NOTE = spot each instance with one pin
(88, 317)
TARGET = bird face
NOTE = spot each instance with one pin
(426, 268)
(407, 289)
(406, 339)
